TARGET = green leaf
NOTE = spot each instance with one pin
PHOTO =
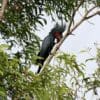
(90, 59)
(2, 92)
(1, 73)
(3, 47)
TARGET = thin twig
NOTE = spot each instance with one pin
(73, 15)
(83, 19)
(92, 15)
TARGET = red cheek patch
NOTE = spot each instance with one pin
(58, 36)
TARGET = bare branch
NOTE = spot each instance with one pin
(4, 4)
(74, 12)
(83, 19)
(92, 15)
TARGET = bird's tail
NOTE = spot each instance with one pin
(40, 63)
(39, 69)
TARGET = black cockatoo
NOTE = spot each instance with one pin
(49, 42)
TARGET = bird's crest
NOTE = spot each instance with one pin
(58, 28)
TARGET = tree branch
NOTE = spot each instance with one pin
(4, 4)
(74, 12)
(66, 33)
(92, 15)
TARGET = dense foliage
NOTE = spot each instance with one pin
(57, 82)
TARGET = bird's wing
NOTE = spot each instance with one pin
(46, 47)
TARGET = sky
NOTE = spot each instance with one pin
(85, 36)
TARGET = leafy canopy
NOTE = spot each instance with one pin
(21, 20)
